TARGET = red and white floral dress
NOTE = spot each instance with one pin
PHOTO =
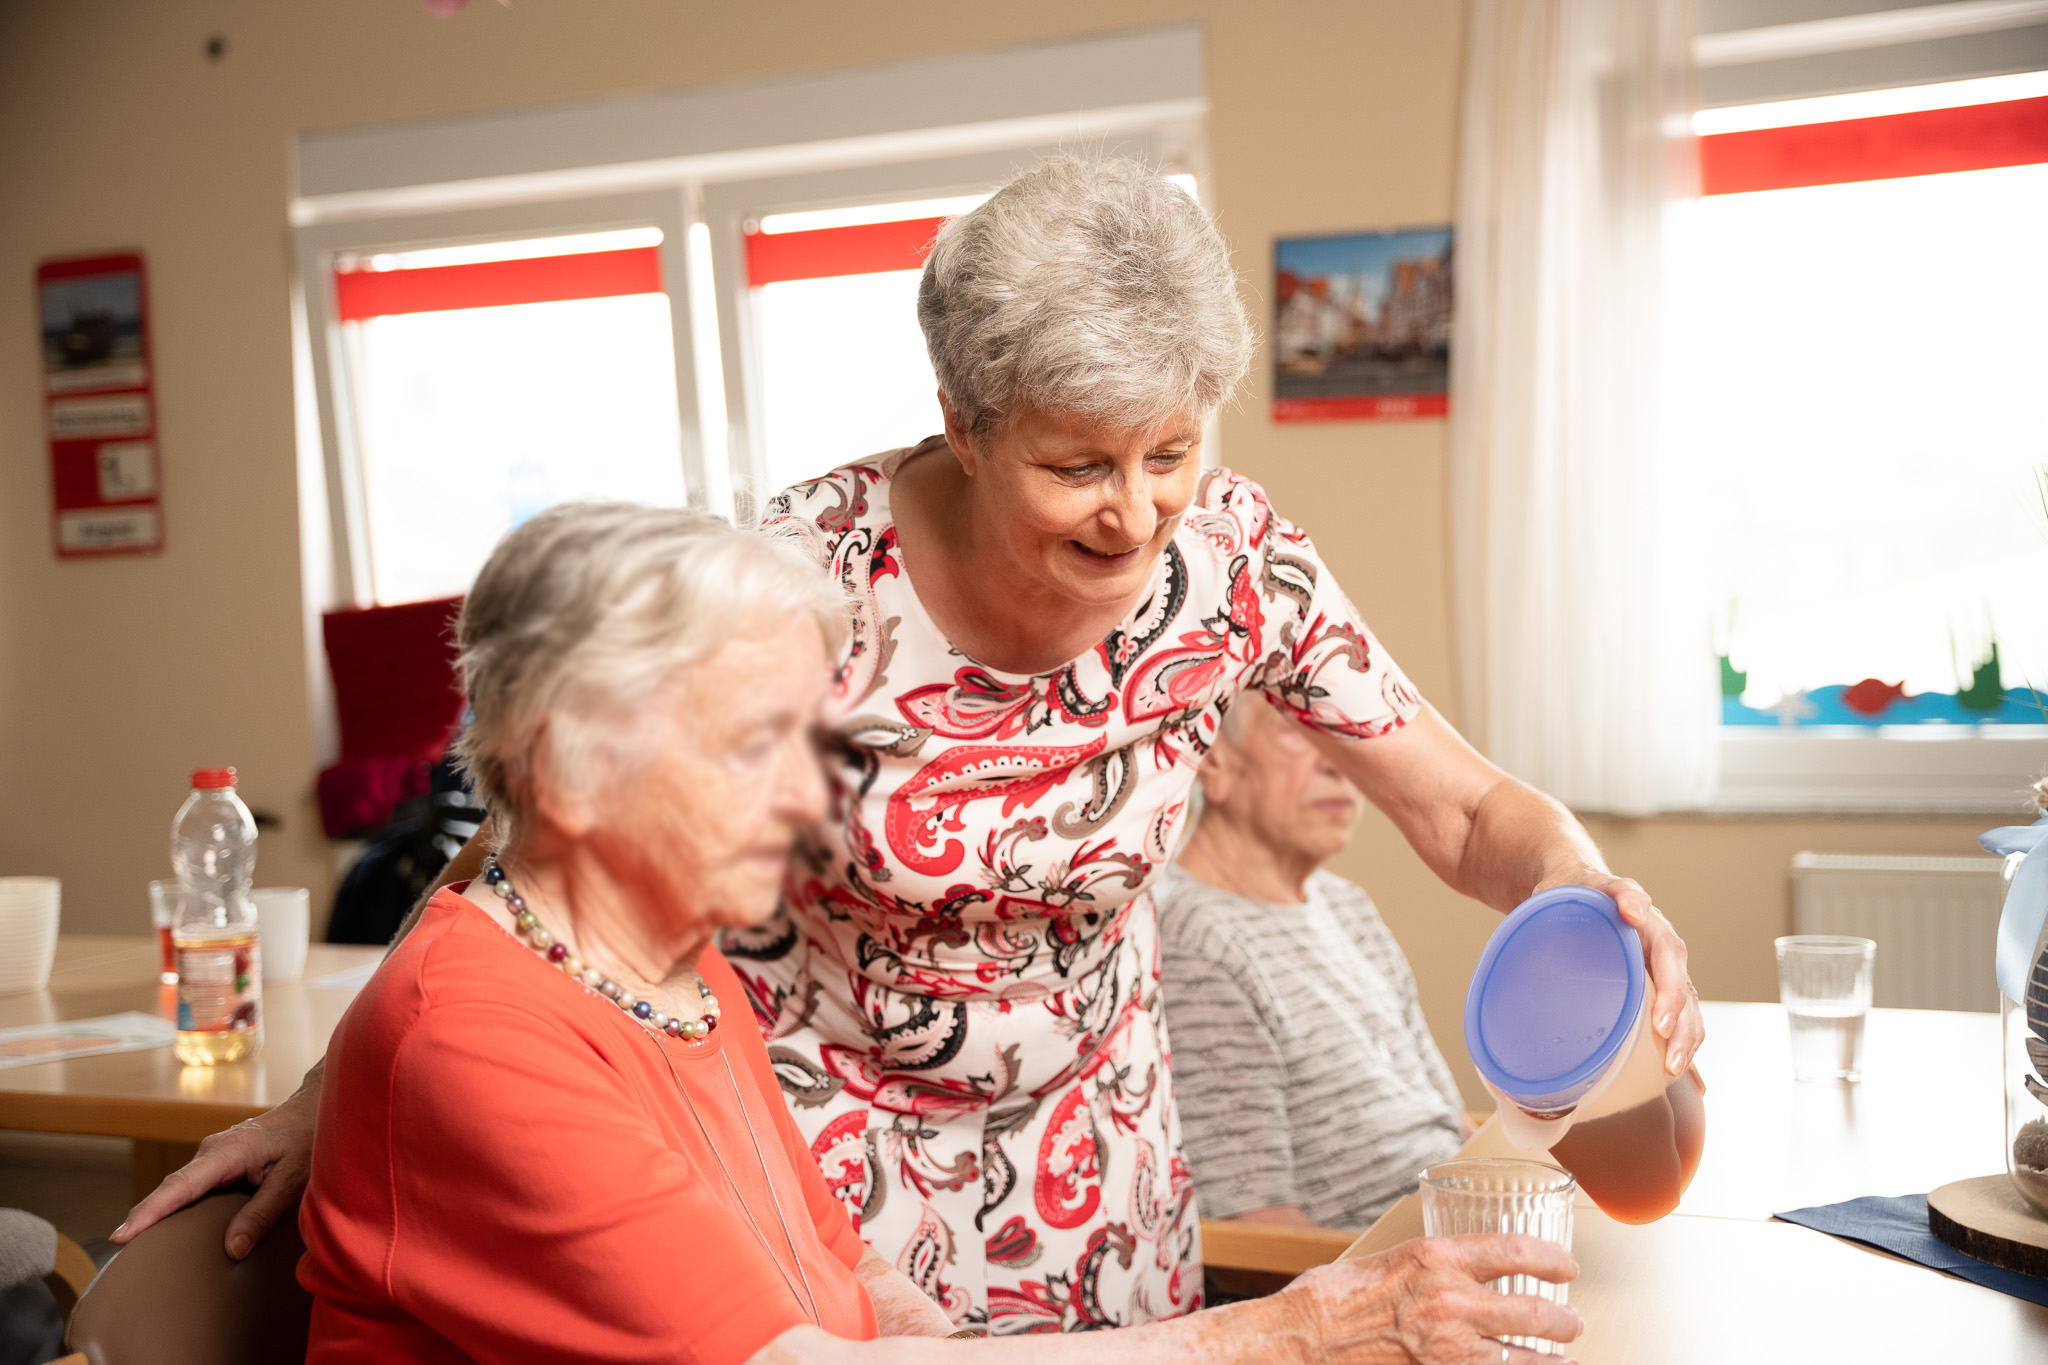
(961, 989)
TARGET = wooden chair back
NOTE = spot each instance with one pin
(1243, 1260)
(172, 1296)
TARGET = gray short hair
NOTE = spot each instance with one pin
(589, 611)
(1090, 286)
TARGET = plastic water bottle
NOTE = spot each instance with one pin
(220, 973)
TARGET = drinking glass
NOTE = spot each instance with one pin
(29, 911)
(1824, 980)
(165, 899)
(284, 927)
(1503, 1196)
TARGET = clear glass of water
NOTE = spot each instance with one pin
(1824, 980)
(1503, 1196)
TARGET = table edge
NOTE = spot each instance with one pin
(149, 1120)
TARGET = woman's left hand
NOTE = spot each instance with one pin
(1484, 832)
(1675, 1007)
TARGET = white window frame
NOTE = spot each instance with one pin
(1897, 769)
(320, 245)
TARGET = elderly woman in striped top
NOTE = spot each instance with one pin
(1056, 605)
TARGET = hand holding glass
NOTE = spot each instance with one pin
(1503, 1196)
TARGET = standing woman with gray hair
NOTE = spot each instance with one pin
(1055, 607)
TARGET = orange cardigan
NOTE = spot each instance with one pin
(506, 1171)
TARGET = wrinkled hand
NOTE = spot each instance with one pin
(1675, 1008)
(1426, 1302)
(272, 1151)
(901, 1308)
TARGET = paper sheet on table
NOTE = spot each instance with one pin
(348, 979)
(134, 1031)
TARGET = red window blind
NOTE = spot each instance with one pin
(395, 686)
(1975, 137)
(863, 249)
(363, 294)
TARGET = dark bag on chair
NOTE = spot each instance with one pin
(402, 861)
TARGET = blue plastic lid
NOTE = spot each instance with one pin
(1554, 997)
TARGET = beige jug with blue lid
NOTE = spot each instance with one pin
(1557, 1020)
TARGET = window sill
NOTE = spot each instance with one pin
(1892, 769)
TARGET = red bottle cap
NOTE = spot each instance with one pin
(206, 779)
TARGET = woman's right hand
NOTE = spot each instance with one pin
(272, 1151)
(1427, 1301)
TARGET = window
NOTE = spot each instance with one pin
(1860, 294)
(469, 367)
(843, 366)
(500, 379)
(438, 412)
(433, 417)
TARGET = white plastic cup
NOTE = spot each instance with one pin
(1490, 1195)
(29, 911)
(284, 926)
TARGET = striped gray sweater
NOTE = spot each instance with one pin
(1302, 1068)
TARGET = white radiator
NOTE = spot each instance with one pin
(1935, 921)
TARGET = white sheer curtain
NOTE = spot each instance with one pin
(1585, 658)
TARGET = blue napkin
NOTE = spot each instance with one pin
(1900, 1227)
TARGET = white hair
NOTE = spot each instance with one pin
(1230, 730)
(1091, 286)
(587, 613)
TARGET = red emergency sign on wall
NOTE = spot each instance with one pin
(98, 408)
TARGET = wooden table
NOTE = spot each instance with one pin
(1927, 1111)
(165, 1107)
(1718, 1282)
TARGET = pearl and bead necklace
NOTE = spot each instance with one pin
(689, 1030)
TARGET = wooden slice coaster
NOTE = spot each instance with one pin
(1987, 1219)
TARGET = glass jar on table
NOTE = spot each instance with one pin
(2022, 971)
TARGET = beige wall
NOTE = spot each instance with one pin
(117, 677)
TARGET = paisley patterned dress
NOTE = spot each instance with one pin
(961, 988)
